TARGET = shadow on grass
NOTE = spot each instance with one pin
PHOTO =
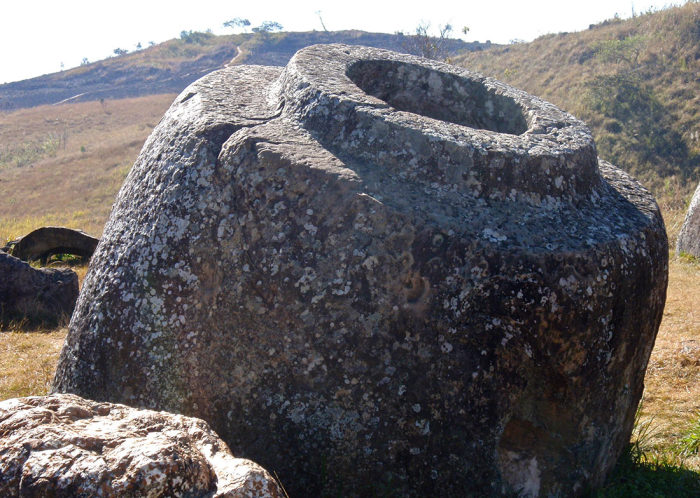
(36, 321)
(635, 476)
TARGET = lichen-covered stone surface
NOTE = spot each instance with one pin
(689, 237)
(39, 294)
(373, 274)
(64, 445)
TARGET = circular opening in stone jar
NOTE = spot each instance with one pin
(438, 95)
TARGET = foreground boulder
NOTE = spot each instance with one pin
(375, 273)
(44, 242)
(39, 294)
(689, 236)
(63, 445)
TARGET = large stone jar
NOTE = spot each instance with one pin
(375, 273)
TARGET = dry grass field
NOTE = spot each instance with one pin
(28, 361)
(672, 385)
(671, 403)
(63, 165)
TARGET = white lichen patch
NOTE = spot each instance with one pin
(522, 474)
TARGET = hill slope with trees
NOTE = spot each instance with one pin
(170, 66)
(635, 82)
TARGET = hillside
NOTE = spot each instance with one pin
(63, 165)
(170, 66)
(636, 83)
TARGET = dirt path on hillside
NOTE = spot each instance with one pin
(237, 59)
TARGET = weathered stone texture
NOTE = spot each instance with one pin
(371, 272)
(63, 445)
(689, 237)
(41, 294)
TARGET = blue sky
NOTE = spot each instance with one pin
(38, 36)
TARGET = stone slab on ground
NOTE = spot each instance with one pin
(47, 241)
(40, 294)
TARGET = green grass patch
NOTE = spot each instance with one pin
(643, 472)
(661, 477)
(690, 443)
(29, 152)
(688, 258)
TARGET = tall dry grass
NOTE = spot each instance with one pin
(75, 184)
(672, 382)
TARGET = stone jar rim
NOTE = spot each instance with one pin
(547, 153)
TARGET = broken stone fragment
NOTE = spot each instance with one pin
(37, 294)
(42, 243)
(372, 272)
(689, 236)
(63, 445)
